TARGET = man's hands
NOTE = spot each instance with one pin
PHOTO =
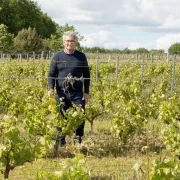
(85, 97)
(50, 92)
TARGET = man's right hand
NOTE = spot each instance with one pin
(50, 92)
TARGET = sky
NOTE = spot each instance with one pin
(152, 24)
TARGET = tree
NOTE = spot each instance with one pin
(6, 39)
(157, 51)
(126, 51)
(55, 42)
(142, 51)
(28, 40)
(61, 29)
(174, 48)
(102, 50)
(19, 14)
(97, 49)
(46, 26)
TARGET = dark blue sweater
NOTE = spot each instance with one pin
(73, 66)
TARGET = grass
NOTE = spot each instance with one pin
(101, 168)
(105, 158)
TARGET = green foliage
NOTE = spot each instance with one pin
(6, 39)
(73, 169)
(128, 101)
(142, 51)
(115, 50)
(46, 26)
(28, 40)
(169, 111)
(17, 146)
(95, 49)
(17, 15)
(169, 114)
(25, 132)
(73, 118)
(165, 169)
(55, 42)
(174, 48)
(95, 106)
(131, 115)
(61, 29)
(169, 167)
(157, 51)
(126, 51)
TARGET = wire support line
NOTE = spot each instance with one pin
(81, 78)
(48, 64)
(100, 63)
(89, 59)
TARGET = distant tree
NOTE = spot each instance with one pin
(85, 49)
(61, 29)
(133, 51)
(126, 51)
(55, 42)
(28, 40)
(115, 50)
(174, 48)
(19, 14)
(91, 49)
(97, 49)
(6, 39)
(156, 51)
(101, 50)
(141, 51)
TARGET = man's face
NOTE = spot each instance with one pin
(70, 43)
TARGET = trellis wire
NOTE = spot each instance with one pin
(98, 62)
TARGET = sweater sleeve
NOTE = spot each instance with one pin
(53, 72)
(86, 75)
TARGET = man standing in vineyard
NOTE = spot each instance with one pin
(70, 74)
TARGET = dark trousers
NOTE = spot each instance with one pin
(68, 99)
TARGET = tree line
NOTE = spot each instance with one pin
(25, 28)
(123, 51)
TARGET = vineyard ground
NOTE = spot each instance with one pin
(144, 92)
(104, 160)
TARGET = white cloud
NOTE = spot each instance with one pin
(166, 41)
(109, 40)
(171, 23)
(92, 17)
(138, 13)
(135, 45)
(104, 39)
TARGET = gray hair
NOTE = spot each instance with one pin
(70, 33)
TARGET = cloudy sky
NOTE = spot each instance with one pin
(152, 24)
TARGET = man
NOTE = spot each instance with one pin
(66, 72)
